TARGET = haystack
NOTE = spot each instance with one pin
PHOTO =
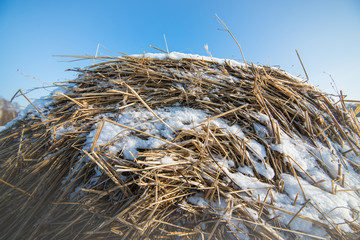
(176, 146)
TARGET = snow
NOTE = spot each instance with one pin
(167, 160)
(144, 120)
(60, 131)
(198, 199)
(180, 56)
(264, 169)
(246, 182)
(338, 207)
(257, 148)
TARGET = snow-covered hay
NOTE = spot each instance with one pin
(180, 146)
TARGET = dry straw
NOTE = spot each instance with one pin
(46, 188)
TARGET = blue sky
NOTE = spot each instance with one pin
(325, 32)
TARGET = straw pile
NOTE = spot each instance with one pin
(229, 174)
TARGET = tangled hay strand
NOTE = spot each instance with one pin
(140, 147)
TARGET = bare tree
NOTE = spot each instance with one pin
(8, 111)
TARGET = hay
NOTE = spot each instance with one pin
(60, 180)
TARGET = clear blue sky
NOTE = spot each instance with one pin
(325, 32)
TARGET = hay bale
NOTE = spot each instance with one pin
(180, 146)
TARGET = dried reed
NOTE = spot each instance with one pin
(47, 178)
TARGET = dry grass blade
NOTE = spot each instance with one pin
(147, 106)
(292, 219)
(97, 135)
(31, 103)
(73, 100)
(227, 29)
(14, 187)
(297, 53)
